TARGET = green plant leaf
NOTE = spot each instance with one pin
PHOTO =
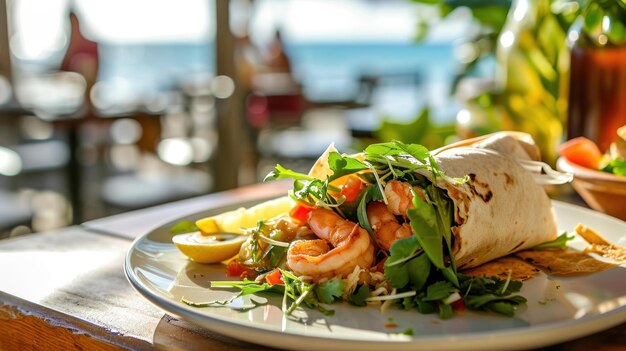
(439, 291)
(342, 166)
(593, 18)
(418, 271)
(559, 243)
(423, 220)
(359, 296)
(330, 291)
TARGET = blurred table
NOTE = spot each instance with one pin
(59, 98)
(67, 289)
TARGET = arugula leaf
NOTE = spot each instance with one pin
(183, 227)
(431, 221)
(491, 294)
(310, 191)
(423, 220)
(248, 287)
(281, 172)
(371, 193)
(330, 291)
(342, 166)
(420, 152)
(300, 292)
(395, 148)
(495, 303)
(275, 255)
(559, 243)
(444, 212)
(359, 296)
(293, 288)
(488, 285)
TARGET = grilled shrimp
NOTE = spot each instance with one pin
(399, 197)
(385, 225)
(387, 229)
(342, 245)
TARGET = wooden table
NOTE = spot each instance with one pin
(66, 289)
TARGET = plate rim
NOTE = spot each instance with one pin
(256, 333)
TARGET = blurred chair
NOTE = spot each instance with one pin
(150, 158)
(28, 168)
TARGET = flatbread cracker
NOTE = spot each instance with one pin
(564, 262)
(599, 245)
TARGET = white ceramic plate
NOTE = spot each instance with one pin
(558, 308)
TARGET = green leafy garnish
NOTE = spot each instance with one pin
(281, 172)
(439, 291)
(330, 291)
(342, 166)
(559, 243)
(371, 193)
(491, 294)
(293, 290)
(431, 224)
(359, 296)
(396, 266)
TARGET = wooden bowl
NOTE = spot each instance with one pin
(602, 191)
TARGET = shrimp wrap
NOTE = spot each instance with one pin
(501, 209)
(398, 222)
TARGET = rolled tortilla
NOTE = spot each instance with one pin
(500, 211)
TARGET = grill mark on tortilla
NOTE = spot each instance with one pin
(486, 197)
(519, 245)
(509, 179)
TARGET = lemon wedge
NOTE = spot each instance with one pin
(211, 248)
(233, 221)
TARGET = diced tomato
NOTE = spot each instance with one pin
(380, 267)
(352, 188)
(581, 151)
(458, 305)
(275, 277)
(300, 212)
(237, 269)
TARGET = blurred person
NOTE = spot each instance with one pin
(81, 56)
(277, 59)
(248, 61)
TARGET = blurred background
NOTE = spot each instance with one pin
(117, 105)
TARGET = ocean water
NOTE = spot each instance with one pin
(411, 75)
(161, 65)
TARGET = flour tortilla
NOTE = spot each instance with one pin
(500, 211)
